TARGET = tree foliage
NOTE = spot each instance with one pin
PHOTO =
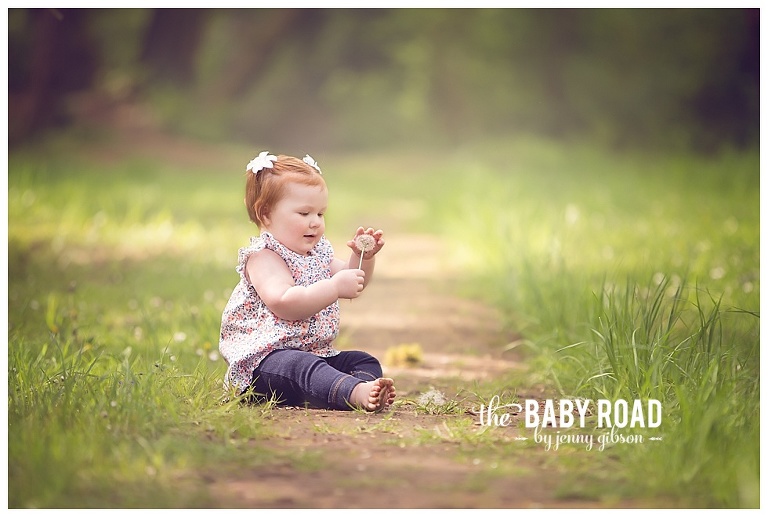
(358, 77)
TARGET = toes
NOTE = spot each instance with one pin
(381, 394)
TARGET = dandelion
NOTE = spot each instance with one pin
(432, 397)
(364, 243)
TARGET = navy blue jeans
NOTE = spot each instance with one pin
(297, 378)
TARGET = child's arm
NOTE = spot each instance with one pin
(272, 280)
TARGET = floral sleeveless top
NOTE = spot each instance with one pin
(250, 331)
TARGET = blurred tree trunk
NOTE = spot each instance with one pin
(560, 37)
(261, 32)
(171, 43)
(58, 59)
(448, 99)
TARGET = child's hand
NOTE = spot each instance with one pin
(377, 239)
(349, 282)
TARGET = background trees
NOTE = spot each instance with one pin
(686, 78)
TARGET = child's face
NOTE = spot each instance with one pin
(297, 220)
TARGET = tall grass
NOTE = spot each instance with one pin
(117, 276)
(634, 278)
(679, 346)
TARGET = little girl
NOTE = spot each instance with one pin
(278, 327)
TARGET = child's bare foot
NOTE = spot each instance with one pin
(374, 395)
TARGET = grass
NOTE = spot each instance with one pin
(634, 278)
(115, 292)
(631, 277)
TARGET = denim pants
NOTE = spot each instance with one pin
(297, 378)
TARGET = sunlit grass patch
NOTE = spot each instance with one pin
(116, 284)
(629, 277)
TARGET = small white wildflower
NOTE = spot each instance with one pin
(747, 287)
(213, 356)
(113, 403)
(179, 337)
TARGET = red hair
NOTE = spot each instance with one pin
(265, 188)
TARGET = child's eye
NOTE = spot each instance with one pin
(303, 213)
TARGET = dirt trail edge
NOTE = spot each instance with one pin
(407, 457)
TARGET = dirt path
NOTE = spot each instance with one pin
(406, 457)
(409, 302)
(401, 458)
